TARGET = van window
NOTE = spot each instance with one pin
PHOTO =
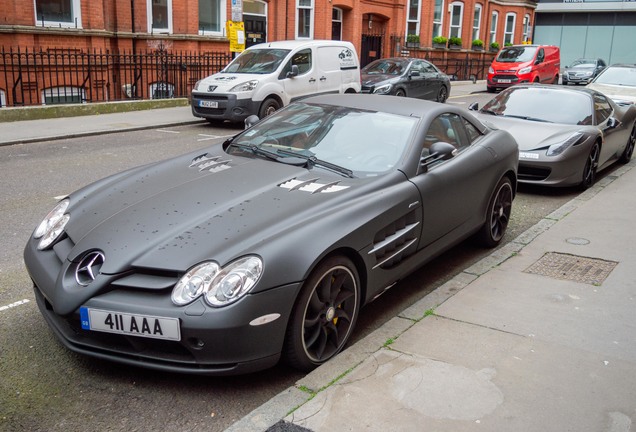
(302, 59)
(257, 61)
(541, 56)
(516, 54)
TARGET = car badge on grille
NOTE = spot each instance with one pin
(211, 88)
(88, 268)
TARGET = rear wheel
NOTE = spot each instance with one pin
(442, 94)
(498, 214)
(324, 314)
(629, 149)
(268, 107)
(589, 170)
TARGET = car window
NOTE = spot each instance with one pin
(428, 68)
(471, 131)
(447, 128)
(602, 108)
(417, 66)
(541, 55)
(302, 59)
(258, 61)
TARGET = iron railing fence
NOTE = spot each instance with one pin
(36, 77)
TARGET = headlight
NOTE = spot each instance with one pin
(219, 286)
(587, 74)
(246, 86)
(53, 225)
(557, 149)
(491, 70)
(525, 70)
(382, 89)
(196, 86)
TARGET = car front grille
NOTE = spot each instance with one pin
(533, 173)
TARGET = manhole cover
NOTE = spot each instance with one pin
(571, 267)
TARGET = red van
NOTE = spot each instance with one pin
(524, 63)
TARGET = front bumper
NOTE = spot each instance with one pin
(228, 106)
(563, 170)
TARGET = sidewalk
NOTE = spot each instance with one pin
(539, 336)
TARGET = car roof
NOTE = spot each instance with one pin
(623, 65)
(293, 44)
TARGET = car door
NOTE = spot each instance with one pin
(306, 82)
(454, 192)
(414, 81)
(614, 135)
(432, 81)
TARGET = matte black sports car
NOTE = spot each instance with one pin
(402, 76)
(565, 135)
(223, 260)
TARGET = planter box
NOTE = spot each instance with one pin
(477, 48)
(439, 45)
(412, 44)
(455, 47)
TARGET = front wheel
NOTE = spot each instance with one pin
(442, 95)
(324, 314)
(498, 215)
(400, 93)
(589, 170)
(629, 148)
(269, 107)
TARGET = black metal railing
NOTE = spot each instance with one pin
(52, 76)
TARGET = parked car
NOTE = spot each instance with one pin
(401, 76)
(617, 82)
(223, 260)
(266, 77)
(524, 64)
(565, 135)
(582, 71)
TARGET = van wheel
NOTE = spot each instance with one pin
(269, 107)
(556, 79)
(490, 89)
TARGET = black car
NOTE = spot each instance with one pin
(582, 71)
(226, 259)
(402, 76)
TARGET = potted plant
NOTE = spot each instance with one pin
(508, 44)
(455, 42)
(478, 45)
(412, 41)
(439, 42)
(494, 46)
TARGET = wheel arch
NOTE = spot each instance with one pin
(357, 261)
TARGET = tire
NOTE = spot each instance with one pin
(268, 107)
(556, 79)
(536, 80)
(629, 149)
(490, 89)
(324, 314)
(498, 215)
(442, 95)
(564, 83)
(400, 93)
(589, 170)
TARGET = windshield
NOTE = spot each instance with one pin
(365, 142)
(257, 61)
(386, 67)
(583, 63)
(542, 104)
(516, 54)
(616, 75)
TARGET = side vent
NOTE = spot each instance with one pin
(395, 242)
(206, 162)
(312, 186)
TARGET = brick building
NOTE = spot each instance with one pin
(377, 28)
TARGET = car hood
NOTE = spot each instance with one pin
(617, 93)
(581, 69)
(212, 205)
(531, 135)
(223, 82)
(375, 79)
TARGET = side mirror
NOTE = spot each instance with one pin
(474, 106)
(294, 72)
(251, 121)
(443, 150)
(612, 122)
(414, 73)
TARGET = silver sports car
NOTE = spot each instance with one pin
(565, 135)
(224, 260)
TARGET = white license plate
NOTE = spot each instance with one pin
(130, 324)
(208, 104)
(505, 81)
(526, 155)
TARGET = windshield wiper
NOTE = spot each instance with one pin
(528, 118)
(491, 112)
(313, 160)
(254, 149)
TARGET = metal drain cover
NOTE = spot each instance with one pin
(571, 267)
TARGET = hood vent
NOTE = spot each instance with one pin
(206, 162)
(312, 186)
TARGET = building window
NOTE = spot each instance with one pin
(161, 90)
(63, 95)
(58, 13)
(413, 18)
(3, 99)
(159, 16)
(212, 17)
(493, 27)
(437, 17)
(457, 11)
(305, 14)
(527, 37)
(476, 21)
(509, 32)
(336, 24)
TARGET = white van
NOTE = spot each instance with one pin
(268, 76)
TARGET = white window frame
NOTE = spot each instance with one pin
(66, 91)
(494, 22)
(510, 33)
(477, 21)
(3, 99)
(526, 28)
(311, 9)
(222, 19)
(168, 28)
(339, 13)
(451, 8)
(410, 20)
(77, 17)
(437, 25)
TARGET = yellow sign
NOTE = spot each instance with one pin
(236, 34)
